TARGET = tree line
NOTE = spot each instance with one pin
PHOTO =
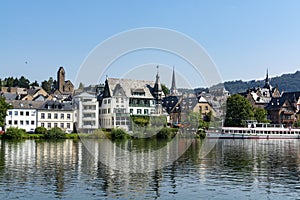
(49, 85)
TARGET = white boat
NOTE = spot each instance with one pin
(255, 131)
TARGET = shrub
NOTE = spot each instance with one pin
(55, 133)
(166, 133)
(117, 133)
(40, 130)
(14, 133)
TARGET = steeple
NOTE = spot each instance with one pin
(267, 82)
(157, 90)
(173, 89)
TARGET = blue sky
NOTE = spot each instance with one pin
(243, 38)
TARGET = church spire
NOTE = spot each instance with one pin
(157, 90)
(173, 89)
(267, 81)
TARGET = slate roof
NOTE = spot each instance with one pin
(18, 104)
(276, 103)
(129, 85)
(55, 105)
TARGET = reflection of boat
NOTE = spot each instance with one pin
(255, 131)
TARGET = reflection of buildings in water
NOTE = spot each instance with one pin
(122, 165)
(19, 156)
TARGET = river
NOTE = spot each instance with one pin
(228, 169)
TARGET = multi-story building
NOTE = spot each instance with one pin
(56, 114)
(124, 97)
(23, 114)
(87, 117)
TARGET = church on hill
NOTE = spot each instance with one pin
(64, 87)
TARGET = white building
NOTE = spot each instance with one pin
(124, 97)
(56, 114)
(87, 118)
(23, 115)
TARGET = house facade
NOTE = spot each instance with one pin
(284, 109)
(56, 114)
(122, 98)
(87, 115)
(23, 115)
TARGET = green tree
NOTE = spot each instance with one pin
(165, 89)
(9, 82)
(23, 82)
(47, 85)
(35, 83)
(40, 130)
(3, 111)
(14, 133)
(55, 133)
(16, 82)
(238, 110)
(260, 114)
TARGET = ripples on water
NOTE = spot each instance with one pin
(233, 169)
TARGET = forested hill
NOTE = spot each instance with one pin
(286, 82)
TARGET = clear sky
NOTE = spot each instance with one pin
(243, 38)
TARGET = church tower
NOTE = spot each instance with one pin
(173, 89)
(157, 90)
(61, 79)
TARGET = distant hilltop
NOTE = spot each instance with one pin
(285, 82)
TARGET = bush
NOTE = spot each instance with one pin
(14, 133)
(55, 133)
(40, 130)
(166, 133)
(117, 133)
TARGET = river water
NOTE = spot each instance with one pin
(231, 169)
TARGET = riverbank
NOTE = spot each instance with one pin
(56, 133)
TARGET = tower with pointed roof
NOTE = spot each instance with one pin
(173, 89)
(267, 82)
(157, 89)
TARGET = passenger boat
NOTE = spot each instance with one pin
(255, 130)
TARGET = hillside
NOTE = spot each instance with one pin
(285, 82)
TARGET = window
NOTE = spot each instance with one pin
(139, 111)
(49, 125)
(122, 100)
(55, 124)
(108, 110)
(27, 113)
(49, 115)
(61, 125)
(105, 101)
(68, 125)
(108, 101)
(55, 115)
(68, 116)
(62, 115)
(42, 115)
(9, 122)
(10, 113)
(21, 122)
(117, 100)
(16, 113)
(15, 122)
(27, 122)
(43, 124)
(131, 111)
(33, 113)
(32, 122)
(146, 112)
(21, 113)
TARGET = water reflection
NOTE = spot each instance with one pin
(247, 169)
